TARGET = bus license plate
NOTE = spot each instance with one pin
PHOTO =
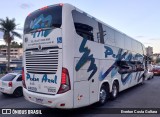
(39, 100)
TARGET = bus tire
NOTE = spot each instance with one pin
(103, 95)
(115, 90)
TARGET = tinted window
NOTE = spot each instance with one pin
(134, 46)
(84, 31)
(8, 77)
(45, 18)
(19, 78)
(129, 66)
(128, 43)
(85, 26)
(109, 35)
(119, 39)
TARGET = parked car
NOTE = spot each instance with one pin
(149, 75)
(149, 72)
(11, 83)
(156, 70)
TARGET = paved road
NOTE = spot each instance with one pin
(141, 96)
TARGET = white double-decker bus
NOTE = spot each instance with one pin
(72, 60)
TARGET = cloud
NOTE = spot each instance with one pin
(140, 36)
(25, 6)
(21, 29)
(147, 43)
(155, 39)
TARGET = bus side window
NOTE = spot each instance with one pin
(84, 31)
(129, 66)
(85, 26)
(109, 35)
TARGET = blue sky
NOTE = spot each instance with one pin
(139, 19)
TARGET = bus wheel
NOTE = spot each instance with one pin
(115, 90)
(103, 95)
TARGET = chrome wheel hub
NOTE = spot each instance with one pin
(114, 91)
(103, 95)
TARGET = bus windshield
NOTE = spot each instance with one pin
(49, 17)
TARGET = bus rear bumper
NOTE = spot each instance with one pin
(64, 101)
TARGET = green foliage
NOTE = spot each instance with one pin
(8, 27)
(14, 44)
(3, 46)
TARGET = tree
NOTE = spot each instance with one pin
(15, 44)
(8, 27)
(2, 46)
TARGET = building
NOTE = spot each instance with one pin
(3, 65)
(15, 63)
(149, 51)
(156, 58)
(3, 59)
(14, 52)
(15, 58)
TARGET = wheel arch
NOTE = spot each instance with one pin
(117, 82)
(19, 87)
(105, 83)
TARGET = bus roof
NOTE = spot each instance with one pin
(73, 7)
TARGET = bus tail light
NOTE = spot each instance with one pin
(29, 14)
(23, 78)
(65, 82)
(60, 4)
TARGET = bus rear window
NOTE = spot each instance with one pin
(50, 17)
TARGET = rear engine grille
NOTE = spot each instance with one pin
(46, 63)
